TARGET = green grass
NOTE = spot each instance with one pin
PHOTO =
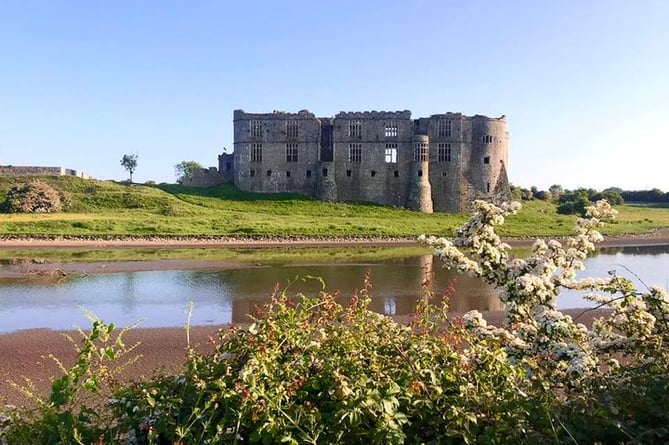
(107, 208)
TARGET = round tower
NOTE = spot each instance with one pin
(420, 192)
(489, 158)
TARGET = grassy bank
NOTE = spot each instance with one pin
(107, 208)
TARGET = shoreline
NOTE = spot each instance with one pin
(14, 242)
(60, 268)
(28, 353)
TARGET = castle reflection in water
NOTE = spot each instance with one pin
(395, 287)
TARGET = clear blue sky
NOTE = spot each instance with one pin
(584, 83)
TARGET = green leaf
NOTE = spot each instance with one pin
(289, 440)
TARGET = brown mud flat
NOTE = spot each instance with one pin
(26, 354)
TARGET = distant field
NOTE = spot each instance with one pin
(107, 208)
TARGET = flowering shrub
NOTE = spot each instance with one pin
(316, 371)
(607, 368)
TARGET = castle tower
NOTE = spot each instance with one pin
(420, 192)
(486, 168)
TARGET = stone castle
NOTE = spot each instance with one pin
(430, 164)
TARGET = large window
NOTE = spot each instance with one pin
(255, 127)
(420, 152)
(391, 130)
(256, 152)
(444, 128)
(444, 152)
(391, 153)
(291, 152)
(291, 129)
(355, 129)
(355, 153)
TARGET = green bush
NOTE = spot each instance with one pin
(315, 371)
(36, 197)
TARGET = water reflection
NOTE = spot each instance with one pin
(161, 297)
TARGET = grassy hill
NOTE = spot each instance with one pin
(107, 208)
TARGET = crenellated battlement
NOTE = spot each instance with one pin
(406, 114)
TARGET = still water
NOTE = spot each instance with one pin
(161, 298)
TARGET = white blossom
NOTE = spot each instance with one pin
(537, 331)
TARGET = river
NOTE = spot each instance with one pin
(161, 298)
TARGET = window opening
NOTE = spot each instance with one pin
(420, 152)
(444, 128)
(391, 154)
(391, 130)
(291, 152)
(444, 152)
(256, 152)
(355, 153)
(355, 129)
(256, 129)
(291, 129)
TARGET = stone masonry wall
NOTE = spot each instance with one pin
(373, 178)
(286, 152)
(11, 170)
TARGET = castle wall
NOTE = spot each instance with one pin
(380, 176)
(11, 170)
(449, 146)
(207, 177)
(370, 157)
(262, 162)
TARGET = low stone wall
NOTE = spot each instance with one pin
(11, 170)
(207, 178)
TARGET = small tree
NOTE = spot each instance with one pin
(129, 162)
(185, 170)
(556, 190)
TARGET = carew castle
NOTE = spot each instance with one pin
(430, 164)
